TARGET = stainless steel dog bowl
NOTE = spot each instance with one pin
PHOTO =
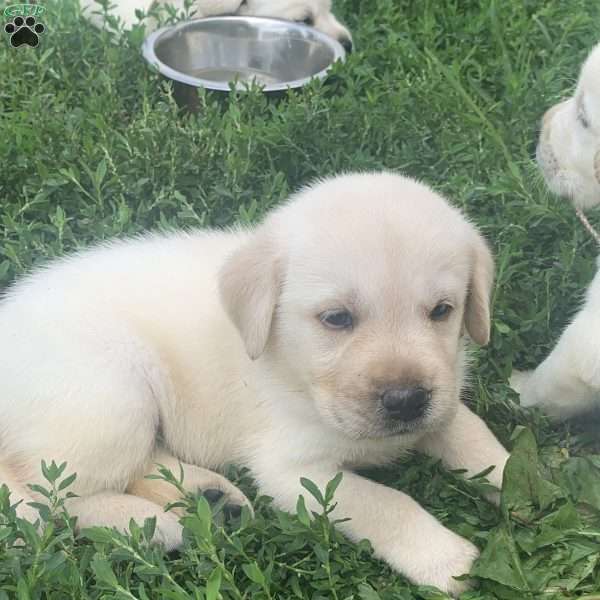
(216, 51)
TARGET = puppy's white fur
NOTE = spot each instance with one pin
(208, 348)
(568, 381)
(317, 12)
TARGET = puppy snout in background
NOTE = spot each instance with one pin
(568, 151)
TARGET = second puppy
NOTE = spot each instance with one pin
(567, 382)
(316, 13)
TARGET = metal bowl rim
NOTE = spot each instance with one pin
(149, 54)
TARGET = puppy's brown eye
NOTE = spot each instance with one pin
(440, 312)
(336, 319)
(308, 21)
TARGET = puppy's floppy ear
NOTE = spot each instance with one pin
(249, 283)
(477, 310)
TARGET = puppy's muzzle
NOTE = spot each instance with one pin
(405, 404)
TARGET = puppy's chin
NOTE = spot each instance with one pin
(392, 429)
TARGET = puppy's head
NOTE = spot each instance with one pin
(359, 291)
(569, 147)
(316, 13)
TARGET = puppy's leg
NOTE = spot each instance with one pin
(195, 479)
(467, 443)
(401, 532)
(567, 382)
(111, 509)
(90, 399)
(108, 509)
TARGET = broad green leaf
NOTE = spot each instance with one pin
(332, 487)
(314, 491)
(103, 571)
(23, 590)
(366, 592)
(500, 561)
(523, 487)
(582, 476)
(302, 513)
(321, 553)
(67, 481)
(149, 527)
(101, 535)
(56, 560)
(254, 573)
(213, 584)
(100, 172)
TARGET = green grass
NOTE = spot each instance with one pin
(92, 146)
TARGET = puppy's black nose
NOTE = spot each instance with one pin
(406, 403)
(346, 43)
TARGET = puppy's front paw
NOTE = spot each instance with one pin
(168, 532)
(233, 502)
(448, 558)
(214, 487)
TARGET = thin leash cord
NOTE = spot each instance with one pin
(588, 225)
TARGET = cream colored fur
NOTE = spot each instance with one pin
(567, 383)
(317, 12)
(569, 147)
(209, 348)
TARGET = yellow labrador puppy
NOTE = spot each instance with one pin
(327, 338)
(316, 13)
(567, 382)
(569, 149)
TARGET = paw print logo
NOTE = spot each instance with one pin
(24, 31)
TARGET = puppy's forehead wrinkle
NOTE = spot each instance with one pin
(371, 245)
